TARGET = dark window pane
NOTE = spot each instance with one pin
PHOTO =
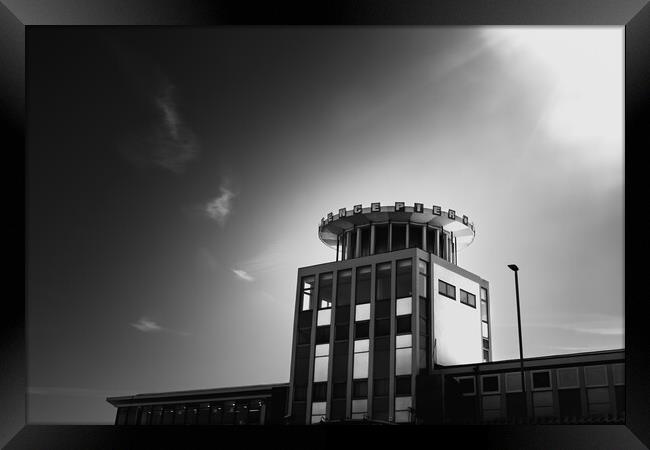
(325, 290)
(380, 408)
(442, 252)
(307, 291)
(541, 380)
(319, 393)
(382, 327)
(301, 371)
(382, 291)
(156, 416)
(353, 244)
(344, 287)
(338, 410)
(486, 355)
(340, 369)
(404, 324)
(471, 300)
(299, 409)
(442, 287)
(491, 383)
(569, 400)
(403, 385)
(339, 390)
(304, 336)
(121, 416)
(300, 393)
(342, 332)
(486, 343)
(431, 238)
(323, 334)
(360, 388)
(381, 360)
(342, 315)
(179, 417)
(145, 416)
(466, 385)
(403, 279)
(399, 236)
(415, 236)
(365, 241)
(381, 238)
(382, 309)
(304, 319)
(363, 285)
(302, 351)
(362, 329)
(619, 392)
(515, 406)
(382, 344)
(463, 296)
(380, 387)
(168, 417)
(451, 291)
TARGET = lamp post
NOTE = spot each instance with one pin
(515, 269)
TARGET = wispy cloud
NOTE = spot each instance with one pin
(146, 326)
(168, 143)
(149, 326)
(243, 275)
(176, 144)
(219, 208)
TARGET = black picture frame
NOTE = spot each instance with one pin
(20, 15)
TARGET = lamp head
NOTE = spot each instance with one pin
(513, 267)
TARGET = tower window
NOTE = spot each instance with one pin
(446, 289)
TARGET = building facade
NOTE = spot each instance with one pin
(394, 331)
(393, 305)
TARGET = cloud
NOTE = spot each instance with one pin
(145, 325)
(219, 208)
(243, 275)
(168, 143)
(149, 326)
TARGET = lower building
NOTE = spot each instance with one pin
(247, 405)
(577, 388)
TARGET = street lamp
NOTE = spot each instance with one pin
(515, 269)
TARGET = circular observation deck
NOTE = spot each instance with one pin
(379, 229)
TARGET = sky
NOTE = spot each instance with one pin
(176, 179)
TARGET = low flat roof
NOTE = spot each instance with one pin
(202, 393)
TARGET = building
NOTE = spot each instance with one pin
(394, 331)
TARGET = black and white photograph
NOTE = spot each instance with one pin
(326, 227)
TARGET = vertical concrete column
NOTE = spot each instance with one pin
(390, 237)
(372, 239)
(436, 244)
(294, 342)
(312, 347)
(393, 329)
(338, 242)
(415, 325)
(348, 388)
(371, 337)
(348, 244)
(330, 363)
(408, 231)
(357, 251)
